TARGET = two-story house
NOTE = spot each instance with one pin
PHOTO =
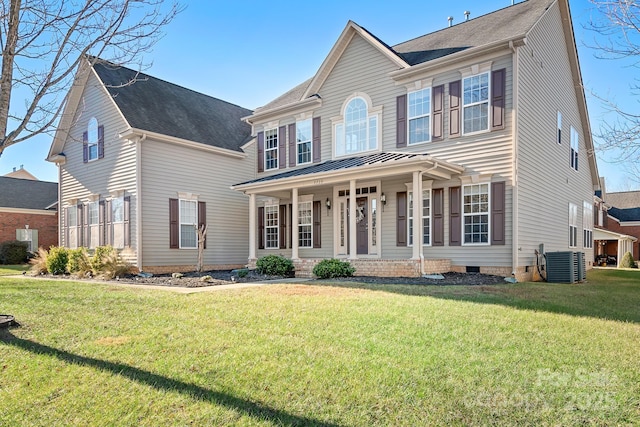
(143, 163)
(465, 149)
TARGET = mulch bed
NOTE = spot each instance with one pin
(466, 279)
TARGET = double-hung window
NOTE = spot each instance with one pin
(303, 141)
(573, 225)
(93, 217)
(271, 149)
(358, 132)
(426, 217)
(92, 139)
(475, 103)
(188, 223)
(587, 225)
(574, 148)
(271, 226)
(419, 116)
(305, 224)
(72, 226)
(475, 200)
(117, 218)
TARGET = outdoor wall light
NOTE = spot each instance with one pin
(328, 203)
(383, 199)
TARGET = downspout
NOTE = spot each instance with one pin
(420, 174)
(516, 136)
(60, 230)
(139, 200)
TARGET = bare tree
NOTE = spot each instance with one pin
(617, 28)
(44, 41)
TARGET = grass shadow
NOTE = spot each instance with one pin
(252, 409)
(610, 295)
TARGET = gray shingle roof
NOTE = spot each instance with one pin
(27, 193)
(628, 214)
(158, 106)
(502, 24)
(624, 199)
(334, 165)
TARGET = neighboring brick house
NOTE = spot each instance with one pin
(486, 121)
(618, 224)
(28, 211)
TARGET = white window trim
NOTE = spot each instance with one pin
(573, 224)
(429, 115)
(310, 141)
(273, 204)
(463, 214)
(307, 198)
(276, 149)
(372, 111)
(180, 223)
(488, 101)
(94, 143)
(587, 225)
(426, 186)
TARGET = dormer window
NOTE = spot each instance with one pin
(357, 132)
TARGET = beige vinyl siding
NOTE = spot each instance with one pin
(168, 169)
(115, 172)
(547, 183)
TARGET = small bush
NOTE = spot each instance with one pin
(330, 268)
(99, 257)
(39, 262)
(627, 261)
(275, 265)
(111, 263)
(78, 263)
(13, 252)
(57, 260)
(243, 273)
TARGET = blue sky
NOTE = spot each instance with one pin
(252, 53)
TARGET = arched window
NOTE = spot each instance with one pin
(358, 131)
(92, 138)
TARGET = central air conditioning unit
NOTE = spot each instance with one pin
(565, 267)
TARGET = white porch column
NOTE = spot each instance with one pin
(353, 232)
(252, 226)
(294, 224)
(417, 215)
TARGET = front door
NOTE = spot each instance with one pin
(362, 226)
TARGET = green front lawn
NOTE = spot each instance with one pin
(525, 354)
(8, 270)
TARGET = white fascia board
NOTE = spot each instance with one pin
(287, 109)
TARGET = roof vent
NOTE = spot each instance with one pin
(466, 15)
(450, 19)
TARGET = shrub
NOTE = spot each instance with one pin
(107, 263)
(13, 252)
(39, 262)
(243, 273)
(78, 263)
(57, 260)
(275, 265)
(330, 268)
(627, 261)
(99, 257)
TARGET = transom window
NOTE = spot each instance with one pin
(574, 148)
(476, 213)
(573, 225)
(419, 116)
(476, 103)
(92, 139)
(188, 223)
(271, 226)
(305, 224)
(303, 141)
(426, 217)
(359, 131)
(271, 149)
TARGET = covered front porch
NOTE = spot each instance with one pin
(610, 247)
(318, 201)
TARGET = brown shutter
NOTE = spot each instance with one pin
(437, 113)
(438, 217)
(290, 219)
(108, 224)
(497, 99)
(455, 221)
(202, 218)
(260, 151)
(401, 218)
(282, 221)
(174, 226)
(282, 146)
(127, 221)
(293, 152)
(100, 142)
(401, 121)
(317, 217)
(85, 147)
(497, 213)
(454, 109)
(80, 226)
(87, 230)
(317, 157)
(101, 227)
(261, 228)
